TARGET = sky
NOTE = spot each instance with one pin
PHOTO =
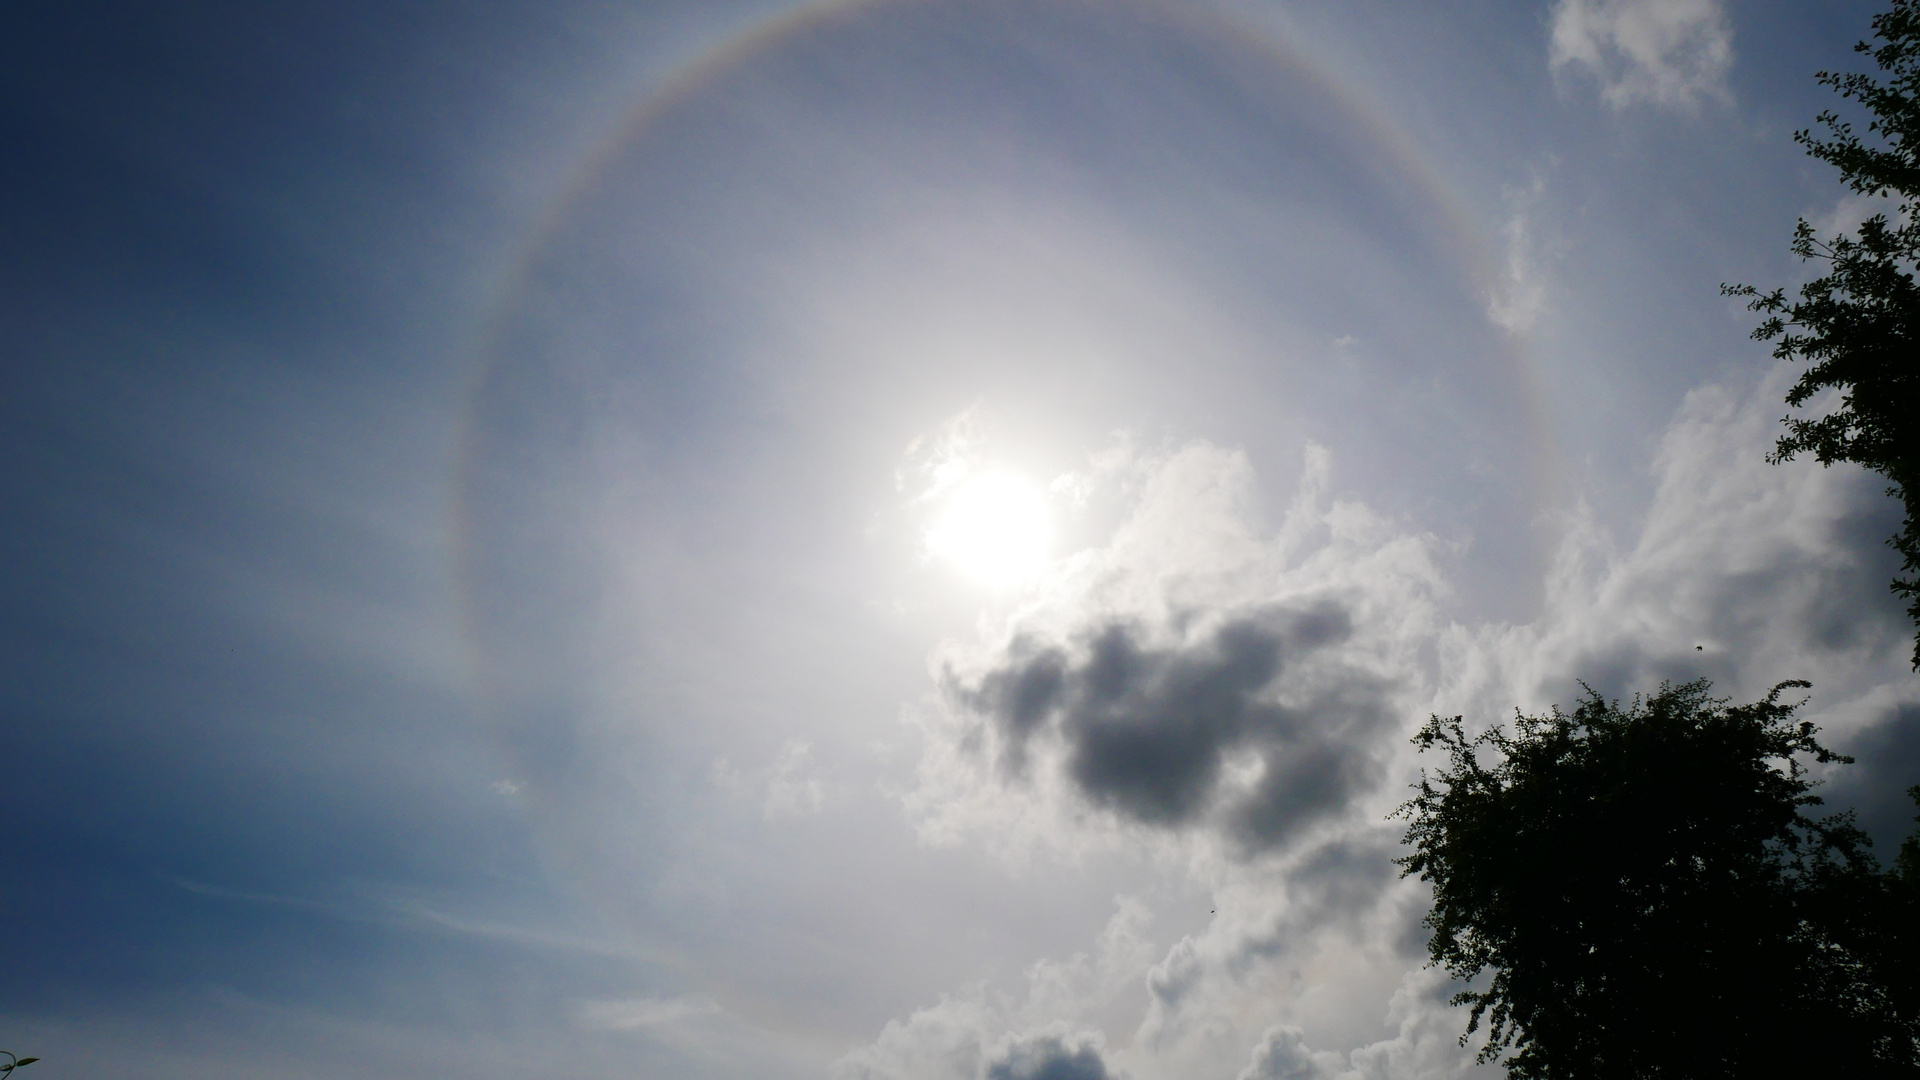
(887, 540)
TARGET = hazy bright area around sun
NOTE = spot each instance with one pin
(898, 540)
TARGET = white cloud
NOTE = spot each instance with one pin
(1742, 571)
(979, 1032)
(1739, 570)
(1085, 981)
(1424, 1046)
(1426, 1040)
(1301, 643)
(1673, 53)
(1282, 1054)
(944, 1041)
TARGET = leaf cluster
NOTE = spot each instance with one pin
(1642, 891)
(1857, 326)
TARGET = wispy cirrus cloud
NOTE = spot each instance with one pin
(638, 1013)
(1519, 299)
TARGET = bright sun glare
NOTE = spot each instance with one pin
(994, 529)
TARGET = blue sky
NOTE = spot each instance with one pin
(878, 540)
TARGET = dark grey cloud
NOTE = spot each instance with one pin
(1050, 1057)
(1148, 728)
(1886, 763)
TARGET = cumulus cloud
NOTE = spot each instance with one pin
(1744, 572)
(1038, 1035)
(1672, 53)
(946, 1042)
(1236, 696)
(1050, 1056)
(1334, 913)
(1425, 1043)
(1282, 1054)
(1325, 981)
(1196, 674)
(1151, 729)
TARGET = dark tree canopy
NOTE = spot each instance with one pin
(1646, 894)
(1858, 326)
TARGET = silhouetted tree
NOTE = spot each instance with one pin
(1858, 326)
(1646, 895)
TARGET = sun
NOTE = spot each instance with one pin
(995, 529)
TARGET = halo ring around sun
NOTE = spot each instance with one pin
(996, 529)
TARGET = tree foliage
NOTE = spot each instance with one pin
(1642, 892)
(1858, 326)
